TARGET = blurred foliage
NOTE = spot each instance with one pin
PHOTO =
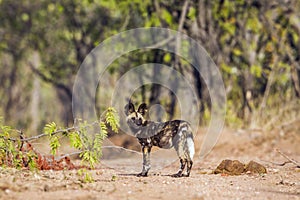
(254, 43)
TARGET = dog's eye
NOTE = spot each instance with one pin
(140, 119)
(133, 118)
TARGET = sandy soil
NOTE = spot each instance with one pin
(117, 179)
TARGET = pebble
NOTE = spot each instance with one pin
(46, 188)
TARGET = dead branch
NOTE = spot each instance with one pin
(104, 147)
(288, 158)
(57, 84)
(117, 147)
(286, 108)
(42, 135)
(278, 164)
(66, 130)
(162, 43)
(288, 123)
(68, 155)
(21, 138)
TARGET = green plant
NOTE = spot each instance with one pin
(85, 175)
(49, 130)
(85, 137)
(10, 154)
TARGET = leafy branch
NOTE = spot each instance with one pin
(86, 138)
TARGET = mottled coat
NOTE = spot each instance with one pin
(176, 133)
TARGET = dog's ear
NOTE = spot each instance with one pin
(129, 108)
(143, 109)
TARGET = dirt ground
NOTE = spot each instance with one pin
(117, 180)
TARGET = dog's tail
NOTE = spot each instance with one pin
(190, 146)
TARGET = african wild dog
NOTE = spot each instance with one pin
(165, 135)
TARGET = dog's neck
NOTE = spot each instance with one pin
(144, 131)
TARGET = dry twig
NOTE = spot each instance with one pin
(288, 158)
(278, 164)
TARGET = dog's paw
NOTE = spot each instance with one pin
(177, 175)
(142, 174)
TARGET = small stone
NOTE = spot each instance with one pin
(99, 172)
(113, 178)
(255, 167)
(36, 176)
(230, 167)
(46, 188)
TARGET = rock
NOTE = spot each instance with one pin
(255, 167)
(46, 188)
(235, 167)
(230, 167)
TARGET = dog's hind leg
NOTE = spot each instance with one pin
(189, 151)
(179, 147)
(189, 167)
(182, 166)
(184, 146)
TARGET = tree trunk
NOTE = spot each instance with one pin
(295, 73)
(155, 88)
(10, 94)
(35, 95)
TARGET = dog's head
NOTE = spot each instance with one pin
(134, 117)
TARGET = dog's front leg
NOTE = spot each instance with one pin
(146, 160)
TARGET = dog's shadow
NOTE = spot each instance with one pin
(151, 175)
(128, 175)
